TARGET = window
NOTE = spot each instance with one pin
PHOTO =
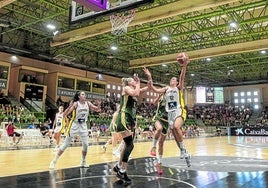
(98, 88)
(66, 82)
(83, 85)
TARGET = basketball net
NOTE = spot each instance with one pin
(120, 21)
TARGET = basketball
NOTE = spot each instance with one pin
(181, 58)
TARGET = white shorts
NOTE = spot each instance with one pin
(172, 116)
(79, 129)
(57, 129)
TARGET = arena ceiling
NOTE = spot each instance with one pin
(221, 55)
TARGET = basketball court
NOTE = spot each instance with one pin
(216, 162)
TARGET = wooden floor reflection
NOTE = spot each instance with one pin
(223, 157)
(14, 161)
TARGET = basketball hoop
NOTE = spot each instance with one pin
(120, 21)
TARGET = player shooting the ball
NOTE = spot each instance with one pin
(174, 105)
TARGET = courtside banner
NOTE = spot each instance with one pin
(248, 131)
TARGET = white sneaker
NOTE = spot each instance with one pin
(183, 154)
(83, 163)
(52, 164)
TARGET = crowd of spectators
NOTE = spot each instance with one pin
(225, 115)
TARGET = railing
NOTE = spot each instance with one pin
(51, 103)
(34, 107)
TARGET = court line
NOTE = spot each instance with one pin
(140, 176)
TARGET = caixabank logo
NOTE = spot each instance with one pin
(239, 131)
(251, 131)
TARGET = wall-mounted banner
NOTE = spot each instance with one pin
(246, 131)
(71, 93)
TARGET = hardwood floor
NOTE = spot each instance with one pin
(15, 161)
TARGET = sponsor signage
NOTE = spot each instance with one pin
(71, 93)
(246, 131)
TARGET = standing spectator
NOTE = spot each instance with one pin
(10, 128)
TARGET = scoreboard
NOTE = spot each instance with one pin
(210, 95)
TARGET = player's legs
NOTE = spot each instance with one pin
(84, 139)
(157, 132)
(60, 151)
(160, 153)
(178, 136)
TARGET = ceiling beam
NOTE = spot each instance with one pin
(5, 2)
(203, 53)
(150, 15)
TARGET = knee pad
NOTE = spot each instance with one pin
(128, 148)
(66, 143)
(84, 140)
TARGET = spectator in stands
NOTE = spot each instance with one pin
(45, 131)
(32, 126)
(10, 128)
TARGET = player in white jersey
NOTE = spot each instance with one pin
(58, 125)
(175, 107)
(77, 125)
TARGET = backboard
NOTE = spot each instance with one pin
(82, 10)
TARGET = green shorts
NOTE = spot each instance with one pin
(125, 122)
(164, 123)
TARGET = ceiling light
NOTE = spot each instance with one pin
(164, 65)
(113, 47)
(165, 38)
(208, 59)
(192, 74)
(263, 52)
(233, 25)
(51, 26)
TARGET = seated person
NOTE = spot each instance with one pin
(10, 128)
(31, 126)
(45, 131)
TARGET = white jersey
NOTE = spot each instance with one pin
(59, 118)
(81, 112)
(172, 99)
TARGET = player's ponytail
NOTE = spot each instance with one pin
(125, 81)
